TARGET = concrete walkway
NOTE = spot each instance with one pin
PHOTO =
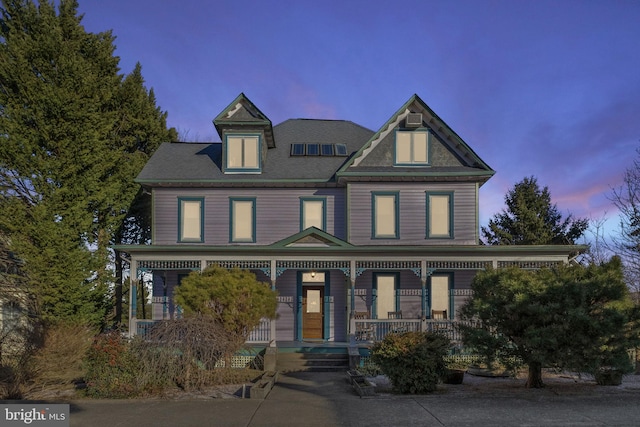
(326, 399)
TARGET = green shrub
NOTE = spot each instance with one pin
(413, 361)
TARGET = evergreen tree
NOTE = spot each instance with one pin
(573, 317)
(74, 135)
(531, 219)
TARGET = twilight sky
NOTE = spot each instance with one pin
(549, 88)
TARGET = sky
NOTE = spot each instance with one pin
(544, 88)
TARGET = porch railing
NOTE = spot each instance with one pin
(376, 329)
(261, 334)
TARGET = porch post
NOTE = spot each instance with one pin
(133, 279)
(423, 288)
(352, 283)
(272, 323)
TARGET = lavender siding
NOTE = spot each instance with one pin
(277, 213)
(412, 214)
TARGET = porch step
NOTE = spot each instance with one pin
(312, 360)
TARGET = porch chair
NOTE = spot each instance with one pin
(396, 329)
(439, 314)
(363, 332)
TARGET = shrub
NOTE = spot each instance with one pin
(413, 361)
(111, 368)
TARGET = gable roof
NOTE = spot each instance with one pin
(199, 164)
(243, 112)
(312, 237)
(470, 163)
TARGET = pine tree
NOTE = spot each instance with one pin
(531, 219)
(73, 140)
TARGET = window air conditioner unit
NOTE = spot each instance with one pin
(413, 120)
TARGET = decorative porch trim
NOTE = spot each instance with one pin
(282, 266)
(458, 265)
(462, 292)
(529, 264)
(414, 266)
(169, 265)
(264, 266)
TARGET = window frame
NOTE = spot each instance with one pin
(244, 168)
(429, 227)
(450, 295)
(232, 219)
(396, 290)
(305, 199)
(412, 161)
(181, 238)
(374, 214)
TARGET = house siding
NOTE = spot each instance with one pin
(412, 213)
(277, 213)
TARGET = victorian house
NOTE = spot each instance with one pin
(360, 231)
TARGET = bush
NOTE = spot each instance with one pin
(111, 368)
(413, 361)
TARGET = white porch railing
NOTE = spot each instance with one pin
(261, 334)
(376, 329)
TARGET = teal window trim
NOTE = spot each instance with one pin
(412, 162)
(374, 215)
(257, 169)
(451, 305)
(374, 291)
(324, 210)
(429, 234)
(232, 218)
(181, 238)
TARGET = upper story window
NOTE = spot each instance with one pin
(191, 219)
(439, 215)
(242, 214)
(313, 213)
(242, 153)
(384, 212)
(412, 148)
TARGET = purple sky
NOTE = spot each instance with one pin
(544, 88)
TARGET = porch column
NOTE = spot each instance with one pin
(423, 288)
(352, 297)
(272, 324)
(133, 280)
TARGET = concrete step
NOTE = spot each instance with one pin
(311, 361)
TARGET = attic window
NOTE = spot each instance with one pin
(313, 149)
(326, 149)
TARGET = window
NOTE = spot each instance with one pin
(11, 315)
(190, 219)
(439, 215)
(326, 149)
(243, 153)
(341, 149)
(313, 213)
(297, 149)
(440, 296)
(385, 300)
(243, 220)
(384, 210)
(313, 149)
(412, 148)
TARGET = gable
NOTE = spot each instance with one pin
(311, 237)
(242, 115)
(448, 154)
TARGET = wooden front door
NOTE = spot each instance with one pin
(312, 312)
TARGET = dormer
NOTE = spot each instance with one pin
(246, 135)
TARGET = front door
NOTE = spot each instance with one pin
(312, 312)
